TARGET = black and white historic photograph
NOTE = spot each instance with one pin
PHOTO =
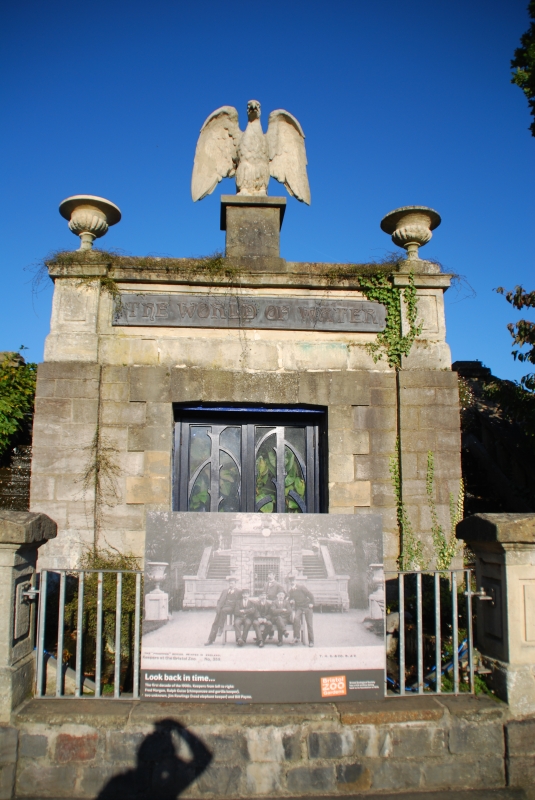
(257, 593)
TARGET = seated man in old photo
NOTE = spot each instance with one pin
(244, 613)
(280, 615)
(302, 601)
(272, 587)
(225, 605)
(262, 624)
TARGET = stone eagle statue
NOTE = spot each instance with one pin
(224, 151)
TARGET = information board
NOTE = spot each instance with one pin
(263, 607)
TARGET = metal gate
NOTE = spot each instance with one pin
(89, 626)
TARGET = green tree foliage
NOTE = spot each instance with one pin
(17, 392)
(517, 400)
(523, 331)
(524, 64)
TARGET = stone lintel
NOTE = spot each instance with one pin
(424, 281)
(78, 270)
(25, 528)
(498, 528)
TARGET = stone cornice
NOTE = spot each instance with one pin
(248, 273)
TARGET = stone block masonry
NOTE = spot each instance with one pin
(73, 749)
(121, 382)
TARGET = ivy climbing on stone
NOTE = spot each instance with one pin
(391, 343)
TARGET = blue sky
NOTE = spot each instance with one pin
(401, 104)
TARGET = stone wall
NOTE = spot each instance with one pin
(124, 380)
(73, 748)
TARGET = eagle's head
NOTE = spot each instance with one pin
(253, 110)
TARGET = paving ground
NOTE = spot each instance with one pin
(469, 794)
(191, 629)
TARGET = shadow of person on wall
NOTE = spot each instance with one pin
(160, 773)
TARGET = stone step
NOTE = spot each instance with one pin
(219, 567)
(454, 794)
(313, 567)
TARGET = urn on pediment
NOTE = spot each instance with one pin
(410, 227)
(89, 217)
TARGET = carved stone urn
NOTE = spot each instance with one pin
(89, 217)
(410, 227)
(157, 601)
(156, 572)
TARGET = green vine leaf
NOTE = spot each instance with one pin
(391, 343)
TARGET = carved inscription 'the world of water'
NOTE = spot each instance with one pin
(240, 311)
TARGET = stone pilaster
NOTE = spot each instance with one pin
(21, 533)
(504, 545)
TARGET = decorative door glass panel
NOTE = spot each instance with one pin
(247, 462)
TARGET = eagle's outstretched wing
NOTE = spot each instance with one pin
(287, 155)
(216, 153)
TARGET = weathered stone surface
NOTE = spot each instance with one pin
(148, 489)
(75, 748)
(292, 746)
(95, 778)
(340, 418)
(355, 493)
(302, 780)
(399, 775)
(68, 370)
(378, 418)
(8, 745)
(476, 738)
(413, 741)
(263, 779)
(428, 378)
(330, 744)
(112, 374)
(314, 388)
(383, 397)
(93, 713)
(33, 745)
(520, 737)
(518, 528)
(25, 527)
(56, 409)
(349, 388)
(374, 468)
(405, 709)
(77, 389)
(355, 777)
(44, 780)
(472, 773)
(150, 384)
(341, 468)
(222, 781)
(227, 745)
(122, 747)
(351, 442)
(153, 437)
(521, 772)
(7, 781)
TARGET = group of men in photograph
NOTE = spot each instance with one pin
(275, 609)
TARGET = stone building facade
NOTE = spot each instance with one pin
(109, 395)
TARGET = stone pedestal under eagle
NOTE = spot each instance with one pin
(224, 151)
